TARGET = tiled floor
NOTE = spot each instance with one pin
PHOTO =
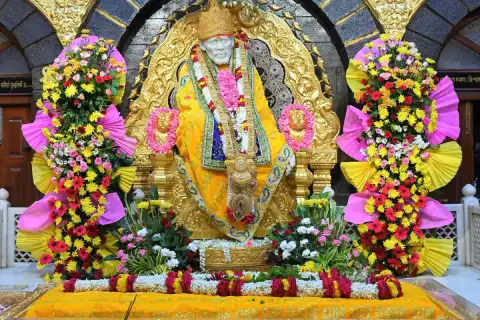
(464, 281)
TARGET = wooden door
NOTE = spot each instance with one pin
(16, 157)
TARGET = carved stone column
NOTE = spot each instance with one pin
(323, 160)
(162, 175)
(301, 178)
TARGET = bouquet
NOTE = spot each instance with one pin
(151, 243)
(315, 238)
(83, 157)
(407, 112)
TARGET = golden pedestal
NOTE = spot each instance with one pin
(162, 175)
(301, 178)
(248, 259)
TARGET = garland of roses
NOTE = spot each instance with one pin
(324, 284)
(152, 128)
(284, 121)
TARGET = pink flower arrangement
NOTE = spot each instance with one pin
(152, 128)
(228, 89)
(284, 124)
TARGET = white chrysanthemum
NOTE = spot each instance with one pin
(306, 221)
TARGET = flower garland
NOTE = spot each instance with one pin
(80, 154)
(239, 283)
(285, 127)
(404, 103)
(152, 128)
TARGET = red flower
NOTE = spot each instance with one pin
(170, 214)
(77, 182)
(107, 77)
(388, 134)
(409, 137)
(394, 262)
(52, 244)
(370, 187)
(62, 210)
(81, 129)
(287, 232)
(92, 230)
(99, 79)
(83, 253)
(166, 223)
(401, 233)
(76, 102)
(379, 199)
(71, 193)
(422, 201)
(390, 214)
(45, 259)
(87, 79)
(381, 253)
(388, 85)
(414, 258)
(66, 83)
(74, 205)
(404, 192)
(61, 246)
(366, 239)
(69, 286)
(376, 226)
(418, 231)
(376, 95)
(398, 252)
(398, 207)
(364, 82)
(80, 231)
(96, 195)
(408, 100)
(382, 235)
(369, 122)
(368, 90)
(51, 203)
(394, 140)
(106, 181)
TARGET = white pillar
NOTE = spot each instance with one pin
(468, 199)
(4, 204)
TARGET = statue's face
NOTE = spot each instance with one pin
(218, 49)
(297, 120)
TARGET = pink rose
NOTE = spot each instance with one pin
(98, 161)
(316, 232)
(322, 239)
(83, 63)
(355, 253)
(123, 239)
(76, 77)
(405, 161)
(107, 165)
(130, 237)
(124, 258)
(70, 174)
(139, 239)
(326, 233)
(83, 167)
(336, 242)
(142, 252)
(131, 246)
(344, 237)
(73, 153)
(120, 253)
(120, 267)
(108, 92)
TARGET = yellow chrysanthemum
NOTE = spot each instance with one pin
(71, 91)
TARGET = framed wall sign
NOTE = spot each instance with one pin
(15, 85)
(463, 80)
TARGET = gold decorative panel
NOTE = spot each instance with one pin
(66, 16)
(394, 15)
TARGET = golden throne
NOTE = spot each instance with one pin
(297, 58)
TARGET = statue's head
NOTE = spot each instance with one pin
(215, 33)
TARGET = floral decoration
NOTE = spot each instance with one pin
(392, 135)
(315, 238)
(284, 124)
(238, 283)
(152, 128)
(152, 243)
(79, 162)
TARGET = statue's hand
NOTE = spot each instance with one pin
(290, 165)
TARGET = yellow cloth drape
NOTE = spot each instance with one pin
(358, 173)
(415, 304)
(443, 163)
(213, 184)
